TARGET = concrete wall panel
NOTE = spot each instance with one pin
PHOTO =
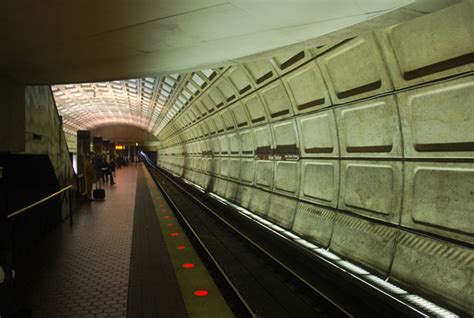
(286, 141)
(240, 80)
(318, 135)
(263, 141)
(314, 223)
(260, 201)
(264, 173)
(244, 195)
(365, 242)
(436, 268)
(437, 120)
(226, 89)
(370, 129)
(445, 47)
(289, 60)
(320, 181)
(215, 146)
(234, 169)
(246, 142)
(240, 114)
(208, 103)
(372, 189)
(224, 167)
(355, 70)
(276, 100)
(439, 198)
(260, 71)
(255, 109)
(231, 191)
(247, 171)
(234, 144)
(218, 123)
(215, 95)
(282, 211)
(216, 166)
(219, 186)
(228, 118)
(307, 89)
(201, 108)
(224, 145)
(287, 177)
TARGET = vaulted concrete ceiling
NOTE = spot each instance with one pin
(57, 41)
(137, 102)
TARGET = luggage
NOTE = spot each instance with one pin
(98, 193)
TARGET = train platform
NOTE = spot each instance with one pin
(125, 256)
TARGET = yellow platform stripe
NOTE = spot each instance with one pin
(190, 279)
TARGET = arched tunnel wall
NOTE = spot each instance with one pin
(364, 146)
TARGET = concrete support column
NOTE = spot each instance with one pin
(83, 148)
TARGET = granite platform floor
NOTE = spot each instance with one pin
(83, 270)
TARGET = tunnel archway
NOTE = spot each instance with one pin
(123, 133)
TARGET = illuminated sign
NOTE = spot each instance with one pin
(119, 147)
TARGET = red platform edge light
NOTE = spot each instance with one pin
(174, 234)
(166, 217)
(188, 265)
(169, 224)
(201, 293)
(180, 247)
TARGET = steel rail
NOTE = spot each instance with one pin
(203, 245)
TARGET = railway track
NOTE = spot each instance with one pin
(262, 274)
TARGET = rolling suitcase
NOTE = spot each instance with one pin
(98, 193)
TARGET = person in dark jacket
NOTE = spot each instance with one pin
(111, 171)
(98, 163)
(104, 170)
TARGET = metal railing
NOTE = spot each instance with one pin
(64, 193)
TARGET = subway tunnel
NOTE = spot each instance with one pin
(270, 159)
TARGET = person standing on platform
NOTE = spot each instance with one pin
(90, 176)
(98, 166)
(104, 170)
(111, 171)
